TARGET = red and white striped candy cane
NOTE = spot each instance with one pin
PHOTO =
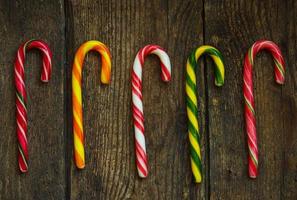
(141, 157)
(21, 96)
(249, 106)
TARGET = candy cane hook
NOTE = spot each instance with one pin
(140, 150)
(21, 95)
(192, 107)
(249, 106)
(78, 132)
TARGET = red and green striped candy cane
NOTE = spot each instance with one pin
(21, 95)
(249, 106)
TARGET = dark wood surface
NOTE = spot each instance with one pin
(126, 26)
(233, 29)
(20, 21)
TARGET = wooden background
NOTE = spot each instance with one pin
(125, 26)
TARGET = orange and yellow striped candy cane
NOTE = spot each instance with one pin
(78, 132)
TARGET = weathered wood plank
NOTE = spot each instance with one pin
(289, 99)
(233, 26)
(126, 26)
(22, 20)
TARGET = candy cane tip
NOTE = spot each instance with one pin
(141, 175)
(197, 178)
(280, 81)
(219, 84)
(167, 80)
(105, 79)
(80, 163)
(253, 174)
(81, 166)
(23, 170)
(198, 181)
(105, 82)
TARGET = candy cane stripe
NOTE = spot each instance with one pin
(22, 164)
(141, 152)
(249, 105)
(24, 120)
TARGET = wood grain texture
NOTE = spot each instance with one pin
(233, 29)
(126, 26)
(20, 21)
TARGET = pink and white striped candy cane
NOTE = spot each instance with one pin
(21, 95)
(141, 157)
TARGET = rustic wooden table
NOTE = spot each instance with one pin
(125, 26)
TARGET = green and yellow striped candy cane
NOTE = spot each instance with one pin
(192, 108)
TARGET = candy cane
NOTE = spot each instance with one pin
(21, 95)
(249, 106)
(78, 132)
(140, 150)
(192, 108)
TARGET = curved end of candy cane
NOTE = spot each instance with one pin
(217, 58)
(280, 80)
(165, 78)
(106, 71)
(219, 83)
(219, 73)
(253, 172)
(23, 169)
(105, 80)
(45, 76)
(44, 80)
(166, 68)
(197, 177)
(163, 56)
(79, 160)
(198, 180)
(253, 176)
(279, 74)
(80, 166)
(23, 166)
(141, 175)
